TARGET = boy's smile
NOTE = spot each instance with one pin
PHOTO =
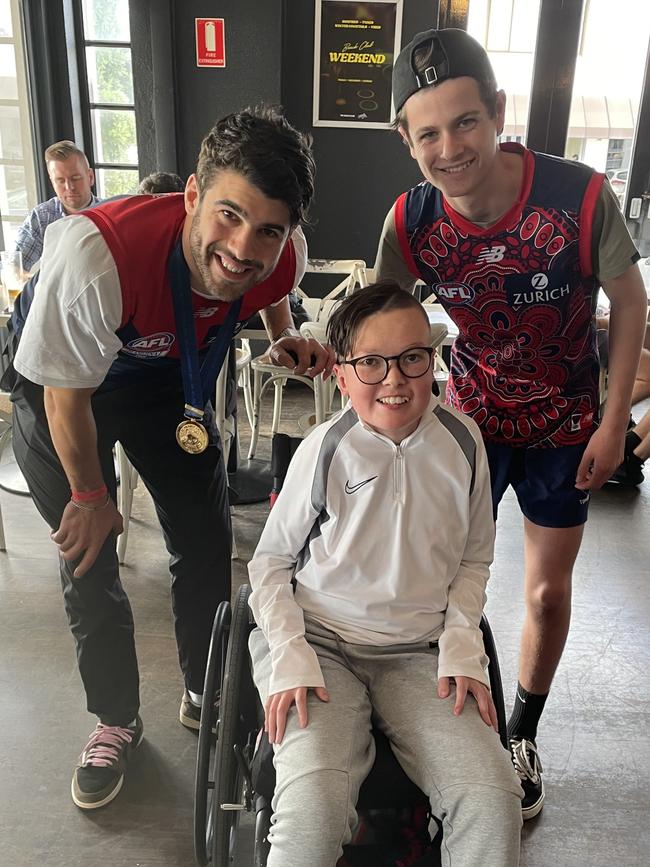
(394, 406)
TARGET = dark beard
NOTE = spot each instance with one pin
(222, 290)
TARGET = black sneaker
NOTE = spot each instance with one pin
(99, 775)
(529, 770)
(190, 713)
(629, 473)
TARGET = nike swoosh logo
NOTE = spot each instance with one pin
(352, 489)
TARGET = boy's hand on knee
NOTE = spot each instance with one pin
(480, 692)
(278, 705)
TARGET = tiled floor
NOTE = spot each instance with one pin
(594, 738)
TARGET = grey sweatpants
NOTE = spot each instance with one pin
(458, 762)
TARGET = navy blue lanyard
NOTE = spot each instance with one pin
(198, 381)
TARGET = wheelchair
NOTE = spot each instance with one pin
(235, 774)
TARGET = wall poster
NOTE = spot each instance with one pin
(355, 44)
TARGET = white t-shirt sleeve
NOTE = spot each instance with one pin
(69, 338)
(300, 249)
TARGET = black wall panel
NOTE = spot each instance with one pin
(360, 171)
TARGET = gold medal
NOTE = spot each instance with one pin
(192, 437)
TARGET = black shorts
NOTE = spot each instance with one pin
(543, 480)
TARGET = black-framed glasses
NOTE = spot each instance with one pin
(373, 369)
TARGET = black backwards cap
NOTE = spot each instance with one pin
(451, 53)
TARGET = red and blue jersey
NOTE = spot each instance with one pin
(522, 293)
(141, 232)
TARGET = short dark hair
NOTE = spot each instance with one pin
(486, 82)
(161, 182)
(382, 297)
(262, 145)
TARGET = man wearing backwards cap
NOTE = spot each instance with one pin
(515, 244)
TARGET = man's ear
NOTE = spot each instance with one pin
(406, 140)
(339, 372)
(192, 196)
(91, 177)
(500, 111)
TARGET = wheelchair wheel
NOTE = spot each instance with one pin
(203, 786)
(231, 789)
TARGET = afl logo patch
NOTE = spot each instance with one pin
(454, 291)
(152, 346)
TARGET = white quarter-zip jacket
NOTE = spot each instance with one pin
(386, 544)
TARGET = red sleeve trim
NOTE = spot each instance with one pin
(587, 212)
(400, 228)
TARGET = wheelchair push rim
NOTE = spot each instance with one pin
(203, 785)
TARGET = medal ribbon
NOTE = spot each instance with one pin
(198, 381)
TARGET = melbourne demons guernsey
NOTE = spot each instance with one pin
(522, 293)
(141, 232)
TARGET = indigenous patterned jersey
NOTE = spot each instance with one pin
(522, 293)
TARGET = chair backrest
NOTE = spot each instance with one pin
(438, 333)
(355, 277)
(354, 269)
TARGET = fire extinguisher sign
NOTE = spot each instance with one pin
(210, 42)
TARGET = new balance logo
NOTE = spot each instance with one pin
(352, 489)
(492, 254)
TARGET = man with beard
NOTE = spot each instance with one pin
(135, 309)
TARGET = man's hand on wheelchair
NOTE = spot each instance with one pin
(278, 705)
(303, 355)
(480, 692)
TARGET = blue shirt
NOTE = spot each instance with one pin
(30, 235)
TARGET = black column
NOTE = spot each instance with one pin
(552, 84)
(152, 53)
(638, 182)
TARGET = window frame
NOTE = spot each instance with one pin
(87, 105)
(22, 103)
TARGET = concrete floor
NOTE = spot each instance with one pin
(594, 739)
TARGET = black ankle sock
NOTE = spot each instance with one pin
(525, 714)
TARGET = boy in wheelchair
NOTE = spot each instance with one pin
(368, 586)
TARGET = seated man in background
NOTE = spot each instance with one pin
(161, 182)
(72, 179)
(384, 524)
(637, 441)
(637, 452)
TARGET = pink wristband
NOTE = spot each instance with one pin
(88, 496)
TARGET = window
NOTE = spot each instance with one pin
(508, 31)
(17, 177)
(607, 87)
(109, 78)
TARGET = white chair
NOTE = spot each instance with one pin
(318, 309)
